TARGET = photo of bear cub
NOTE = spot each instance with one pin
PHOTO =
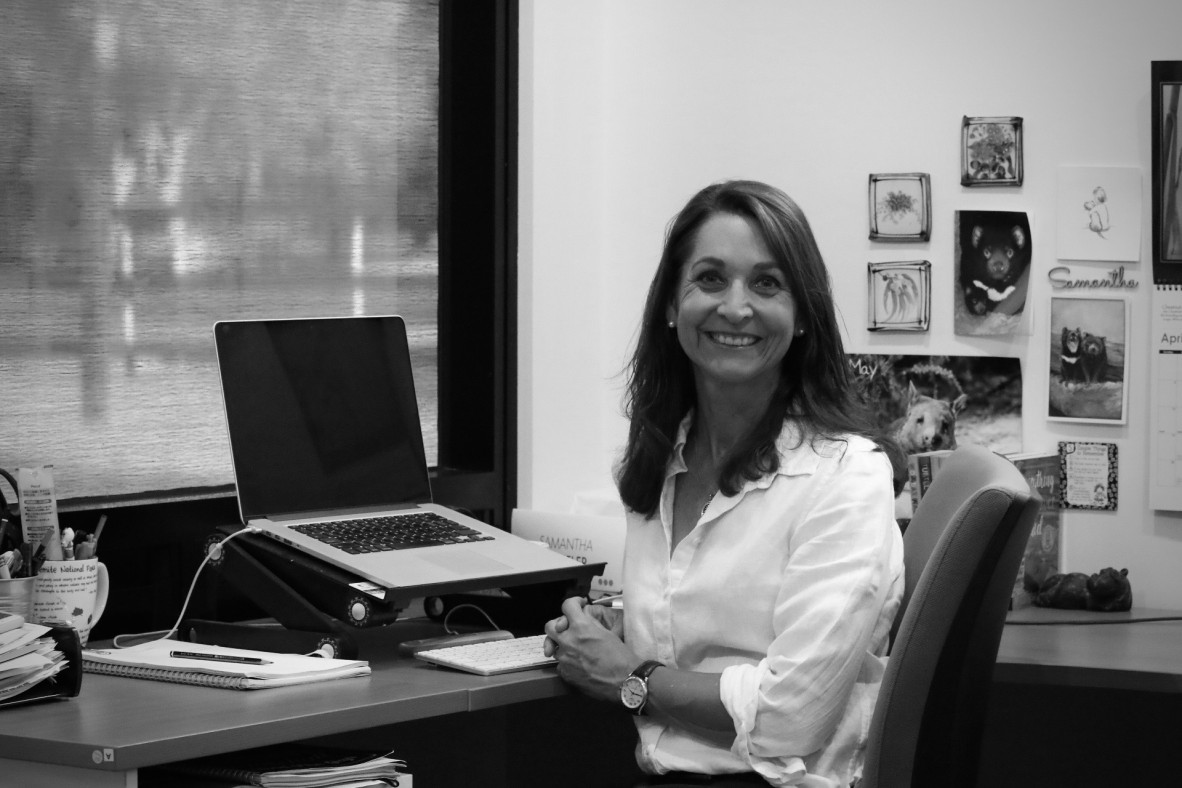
(995, 252)
(1084, 357)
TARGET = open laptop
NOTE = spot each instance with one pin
(324, 426)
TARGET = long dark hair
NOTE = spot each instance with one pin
(815, 385)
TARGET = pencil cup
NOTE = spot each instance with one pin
(70, 592)
(16, 596)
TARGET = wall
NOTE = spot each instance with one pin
(627, 108)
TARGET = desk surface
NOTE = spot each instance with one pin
(120, 724)
(1129, 655)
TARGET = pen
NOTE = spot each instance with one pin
(606, 600)
(218, 657)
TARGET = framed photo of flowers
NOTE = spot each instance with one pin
(991, 151)
(900, 295)
(900, 207)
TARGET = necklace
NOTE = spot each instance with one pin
(706, 505)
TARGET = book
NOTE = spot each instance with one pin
(294, 765)
(218, 666)
(1043, 555)
(921, 470)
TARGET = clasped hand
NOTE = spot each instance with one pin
(588, 642)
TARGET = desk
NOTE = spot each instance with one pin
(117, 725)
(1135, 656)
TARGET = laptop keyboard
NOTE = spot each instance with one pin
(391, 532)
(491, 657)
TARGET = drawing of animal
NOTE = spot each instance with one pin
(1098, 212)
(993, 260)
(1093, 358)
(1070, 369)
(929, 423)
(1108, 590)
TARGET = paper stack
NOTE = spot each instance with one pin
(28, 655)
(294, 765)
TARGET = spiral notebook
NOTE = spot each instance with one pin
(228, 668)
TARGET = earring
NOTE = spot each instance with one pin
(672, 324)
(800, 332)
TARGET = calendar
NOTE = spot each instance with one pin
(1165, 425)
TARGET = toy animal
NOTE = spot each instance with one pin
(1108, 590)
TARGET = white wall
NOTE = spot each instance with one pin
(629, 106)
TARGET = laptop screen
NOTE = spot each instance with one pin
(321, 414)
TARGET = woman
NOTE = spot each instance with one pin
(763, 566)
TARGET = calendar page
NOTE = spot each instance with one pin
(1165, 429)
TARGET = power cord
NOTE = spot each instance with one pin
(477, 608)
(161, 634)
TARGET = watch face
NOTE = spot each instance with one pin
(633, 692)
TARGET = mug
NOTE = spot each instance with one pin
(70, 592)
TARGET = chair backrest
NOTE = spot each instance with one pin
(962, 550)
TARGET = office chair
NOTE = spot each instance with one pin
(961, 552)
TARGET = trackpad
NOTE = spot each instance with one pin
(462, 561)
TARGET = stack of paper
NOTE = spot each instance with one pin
(28, 655)
(295, 765)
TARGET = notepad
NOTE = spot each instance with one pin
(153, 660)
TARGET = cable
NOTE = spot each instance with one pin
(487, 617)
(164, 633)
(1091, 622)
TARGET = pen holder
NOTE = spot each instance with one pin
(16, 596)
(73, 593)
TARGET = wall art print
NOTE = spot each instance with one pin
(991, 151)
(992, 262)
(1165, 100)
(900, 207)
(1089, 360)
(1099, 214)
(899, 295)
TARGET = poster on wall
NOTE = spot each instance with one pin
(932, 403)
(1099, 214)
(1088, 366)
(992, 262)
(1165, 95)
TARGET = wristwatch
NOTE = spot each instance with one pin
(634, 689)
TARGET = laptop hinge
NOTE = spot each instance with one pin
(355, 511)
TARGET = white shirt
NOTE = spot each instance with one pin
(788, 589)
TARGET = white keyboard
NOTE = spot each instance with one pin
(494, 656)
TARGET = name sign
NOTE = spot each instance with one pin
(1060, 277)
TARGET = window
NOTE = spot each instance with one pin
(165, 164)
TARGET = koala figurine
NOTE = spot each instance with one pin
(1107, 591)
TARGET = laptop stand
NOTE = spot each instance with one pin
(315, 604)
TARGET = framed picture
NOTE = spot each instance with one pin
(900, 207)
(991, 152)
(1167, 172)
(1089, 362)
(900, 296)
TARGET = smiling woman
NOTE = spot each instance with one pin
(762, 551)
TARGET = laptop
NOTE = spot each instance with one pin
(324, 426)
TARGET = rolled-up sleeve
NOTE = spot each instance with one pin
(839, 585)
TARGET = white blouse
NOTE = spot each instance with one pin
(788, 589)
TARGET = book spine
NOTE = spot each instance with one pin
(913, 480)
